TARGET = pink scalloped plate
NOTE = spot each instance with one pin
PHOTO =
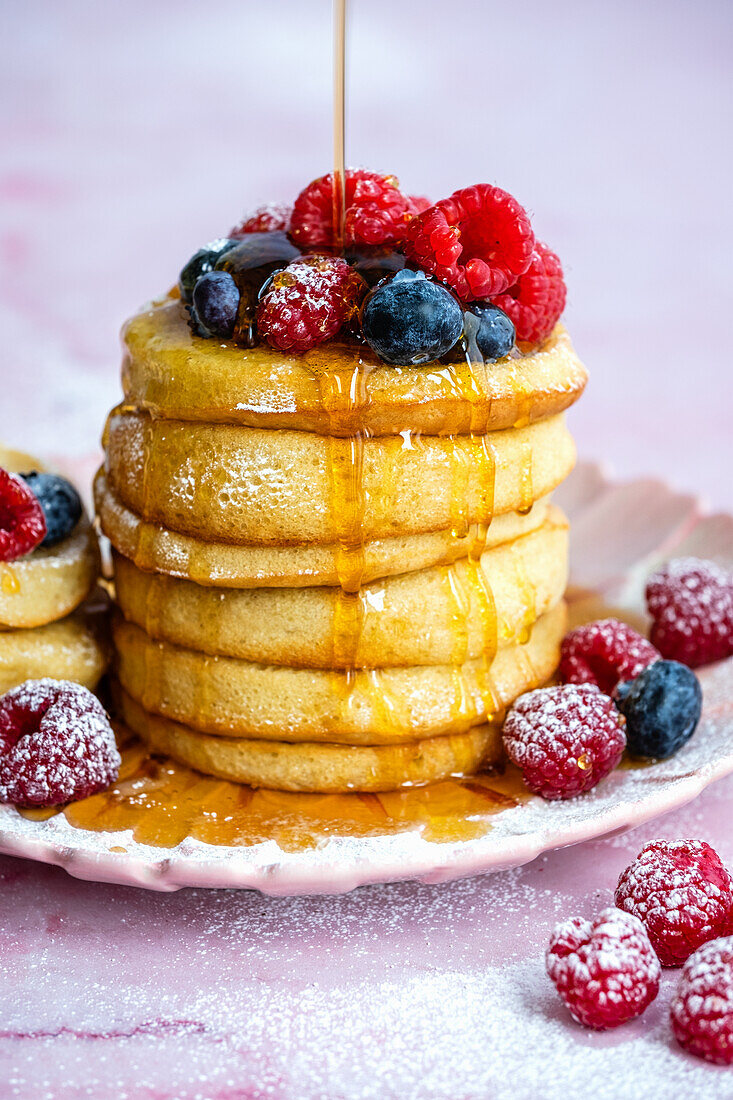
(620, 531)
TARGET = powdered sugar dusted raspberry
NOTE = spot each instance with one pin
(56, 744)
(604, 653)
(702, 1009)
(683, 894)
(691, 604)
(605, 971)
(22, 522)
(309, 302)
(564, 739)
(265, 219)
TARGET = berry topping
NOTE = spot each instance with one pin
(702, 1009)
(376, 211)
(309, 302)
(479, 241)
(564, 739)
(411, 319)
(56, 744)
(488, 332)
(215, 304)
(200, 263)
(691, 604)
(418, 203)
(251, 262)
(605, 971)
(22, 523)
(60, 502)
(537, 298)
(377, 264)
(662, 708)
(269, 218)
(603, 653)
(682, 893)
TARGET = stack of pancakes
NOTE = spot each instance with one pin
(332, 574)
(46, 623)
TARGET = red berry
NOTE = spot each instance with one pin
(702, 1009)
(604, 653)
(265, 219)
(309, 302)
(22, 523)
(485, 229)
(682, 893)
(376, 211)
(538, 297)
(418, 203)
(605, 971)
(564, 739)
(56, 744)
(691, 604)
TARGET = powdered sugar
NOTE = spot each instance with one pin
(56, 744)
(603, 653)
(691, 604)
(702, 1009)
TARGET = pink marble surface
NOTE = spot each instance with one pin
(130, 133)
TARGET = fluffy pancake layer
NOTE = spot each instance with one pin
(315, 767)
(249, 486)
(442, 615)
(155, 548)
(66, 650)
(335, 389)
(234, 698)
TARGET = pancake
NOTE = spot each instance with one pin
(436, 616)
(156, 549)
(234, 698)
(51, 582)
(249, 486)
(335, 389)
(321, 767)
(70, 649)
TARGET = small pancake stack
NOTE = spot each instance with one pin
(47, 621)
(331, 573)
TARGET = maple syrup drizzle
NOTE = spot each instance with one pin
(339, 122)
(163, 803)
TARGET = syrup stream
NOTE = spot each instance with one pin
(339, 122)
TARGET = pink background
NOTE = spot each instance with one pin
(133, 132)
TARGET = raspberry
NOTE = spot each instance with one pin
(376, 211)
(537, 299)
(309, 302)
(605, 971)
(702, 1009)
(56, 744)
(265, 219)
(691, 603)
(604, 653)
(564, 739)
(483, 227)
(22, 523)
(418, 203)
(682, 893)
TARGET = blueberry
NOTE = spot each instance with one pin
(60, 502)
(200, 263)
(215, 304)
(252, 261)
(411, 319)
(662, 707)
(376, 265)
(489, 329)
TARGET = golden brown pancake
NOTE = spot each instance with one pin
(335, 389)
(66, 650)
(234, 698)
(315, 766)
(154, 548)
(442, 615)
(245, 485)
